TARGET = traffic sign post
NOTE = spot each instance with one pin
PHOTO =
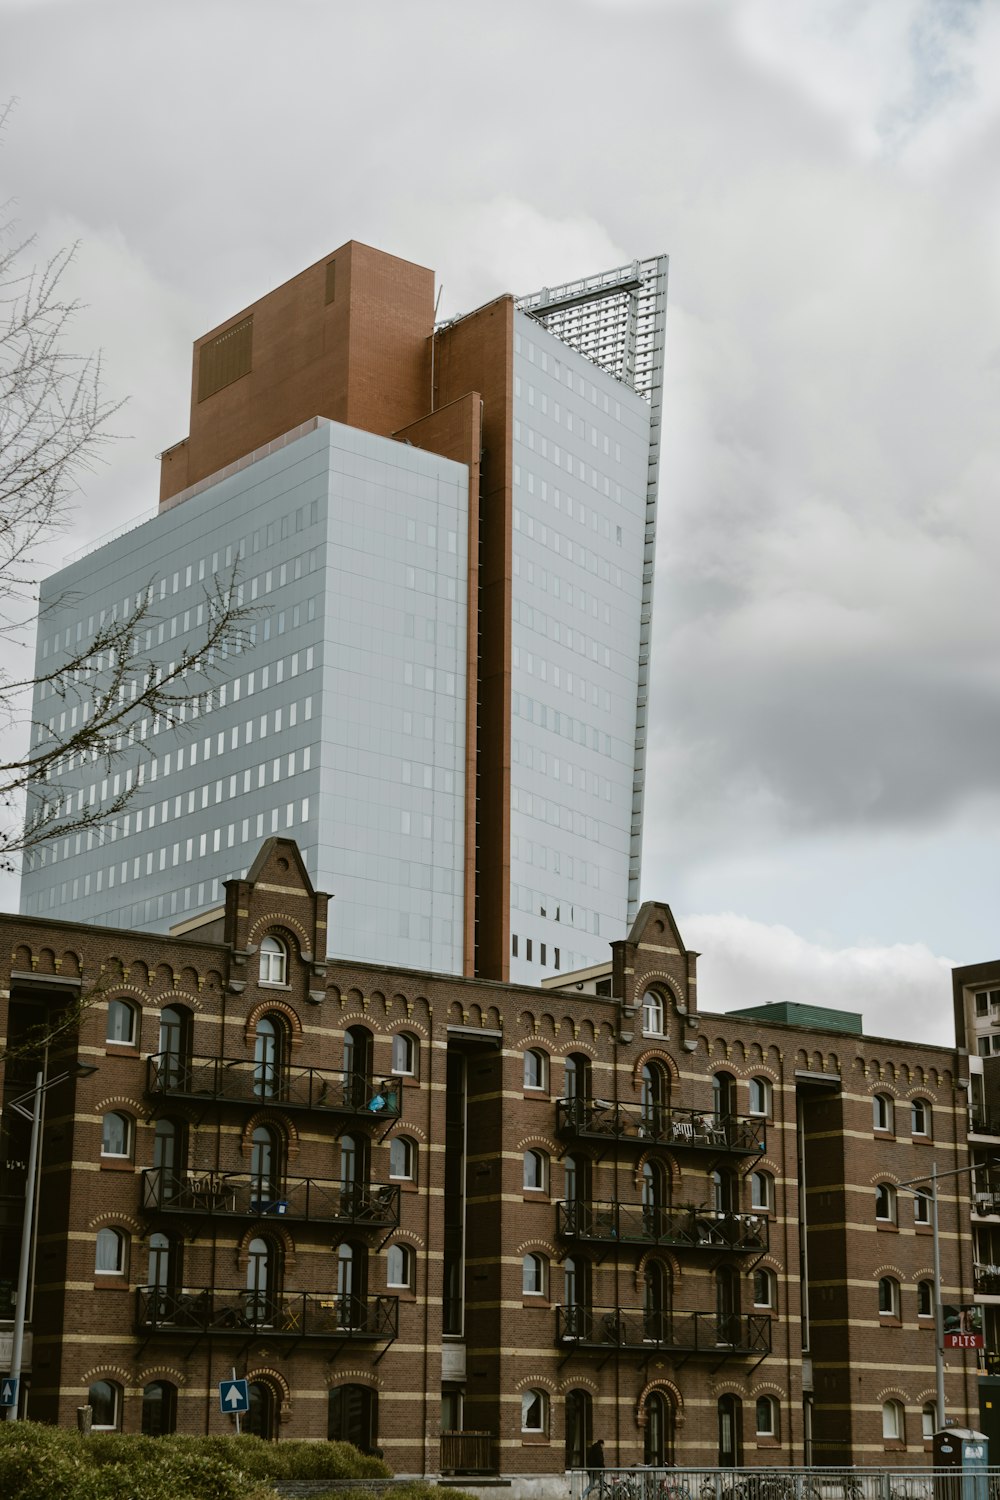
(8, 1391)
(234, 1397)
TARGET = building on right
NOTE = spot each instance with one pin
(976, 990)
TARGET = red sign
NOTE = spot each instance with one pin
(964, 1341)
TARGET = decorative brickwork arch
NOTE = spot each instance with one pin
(281, 925)
(148, 1373)
(272, 1006)
(664, 1159)
(277, 1121)
(174, 996)
(666, 1388)
(657, 1055)
(255, 1231)
(663, 1255)
(580, 1381)
(354, 1376)
(267, 1375)
(110, 1218)
(540, 1247)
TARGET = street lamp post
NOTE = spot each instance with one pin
(81, 1070)
(912, 1186)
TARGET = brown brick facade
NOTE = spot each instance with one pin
(623, 1267)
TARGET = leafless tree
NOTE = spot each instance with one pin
(54, 423)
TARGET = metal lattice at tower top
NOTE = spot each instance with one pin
(615, 319)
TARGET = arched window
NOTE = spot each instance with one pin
(536, 1069)
(402, 1158)
(273, 962)
(654, 1099)
(404, 1053)
(723, 1094)
(536, 1171)
(534, 1275)
(262, 1418)
(159, 1409)
(399, 1267)
(654, 1197)
(116, 1135)
(764, 1288)
(109, 1253)
(885, 1203)
(893, 1422)
(888, 1297)
(534, 1411)
(105, 1401)
(164, 1183)
(767, 1410)
(921, 1206)
(357, 1066)
(576, 1076)
(265, 1169)
(658, 1434)
(270, 1046)
(882, 1112)
(656, 1303)
(725, 1191)
(727, 1305)
(760, 1096)
(174, 1047)
(925, 1299)
(160, 1269)
(920, 1117)
(352, 1285)
(122, 1028)
(730, 1416)
(579, 1427)
(928, 1421)
(263, 1281)
(652, 1013)
(352, 1416)
(762, 1191)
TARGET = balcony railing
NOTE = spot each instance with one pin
(242, 1195)
(638, 1224)
(240, 1080)
(660, 1125)
(287, 1315)
(980, 1126)
(468, 1452)
(986, 1278)
(604, 1328)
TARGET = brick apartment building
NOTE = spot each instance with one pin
(470, 1223)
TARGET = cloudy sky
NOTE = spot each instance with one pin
(823, 807)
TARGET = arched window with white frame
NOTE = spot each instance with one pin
(653, 1013)
(273, 961)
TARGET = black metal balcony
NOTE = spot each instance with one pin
(660, 1125)
(604, 1328)
(986, 1278)
(241, 1080)
(640, 1224)
(244, 1196)
(317, 1315)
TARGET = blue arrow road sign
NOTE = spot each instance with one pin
(8, 1390)
(234, 1395)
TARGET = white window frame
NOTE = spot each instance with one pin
(769, 1405)
(924, 1281)
(888, 1291)
(539, 1398)
(536, 1155)
(760, 1097)
(921, 1207)
(762, 1191)
(923, 1129)
(126, 1153)
(273, 962)
(653, 1013)
(890, 1192)
(534, 1275)
(404, 1054)
(883, 1112)
(893, 1422)
(404, 1278)
(769, 1282)
(116, 1007)
(536, 1069)
(118, 1269)
(115, 1423)
(411, 1158)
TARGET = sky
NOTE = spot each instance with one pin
(823, 790)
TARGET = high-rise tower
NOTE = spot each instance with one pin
(448, 536)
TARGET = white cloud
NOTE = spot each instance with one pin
(903, 990)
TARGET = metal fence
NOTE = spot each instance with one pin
(652, 1483)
